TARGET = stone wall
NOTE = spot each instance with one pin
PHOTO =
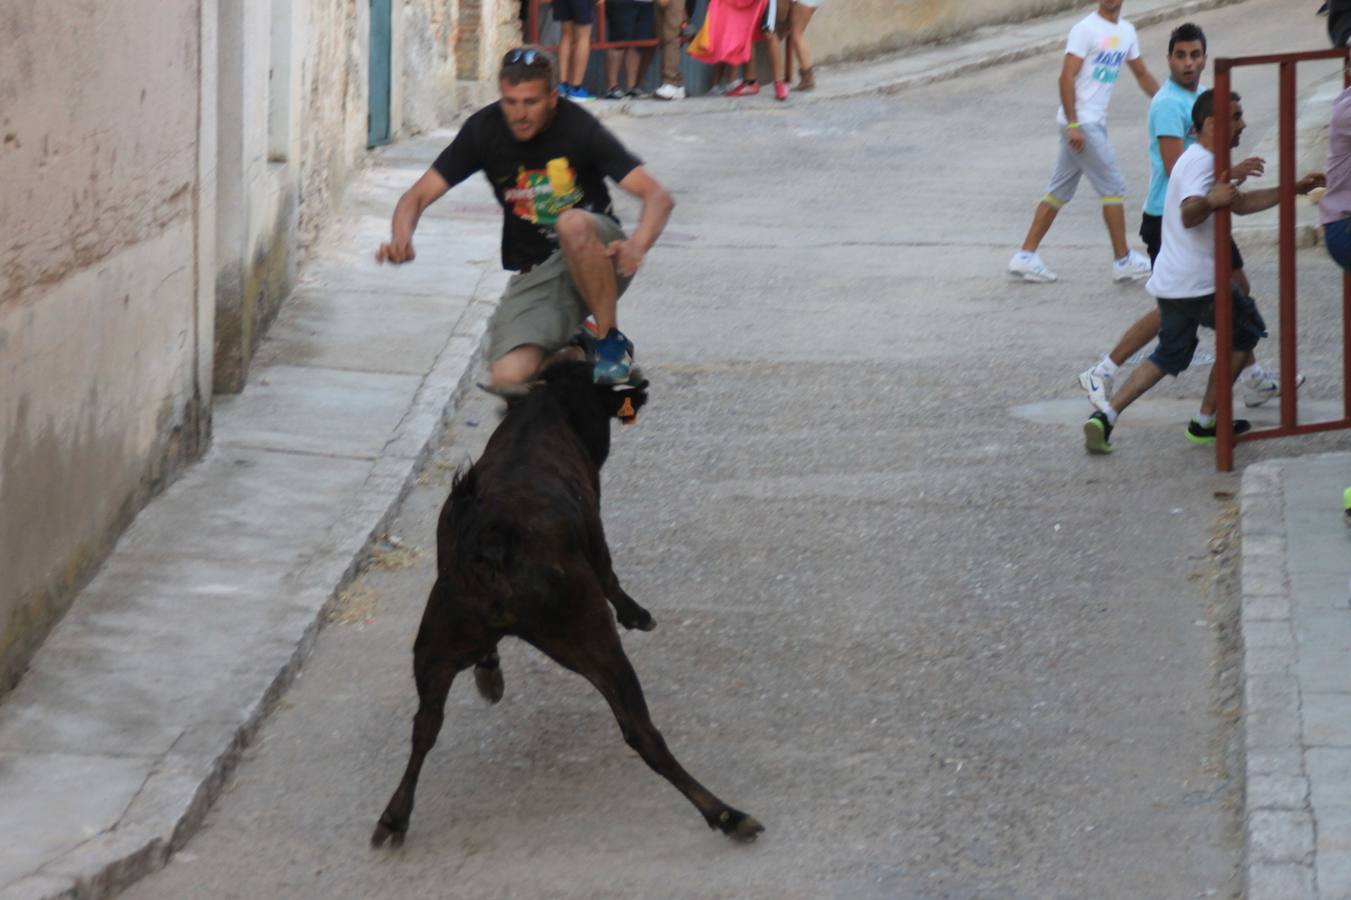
(851, 29)
(102, 389)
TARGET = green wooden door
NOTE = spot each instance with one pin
(377, 121)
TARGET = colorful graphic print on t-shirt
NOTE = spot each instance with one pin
(540, 196)
(1106, 62)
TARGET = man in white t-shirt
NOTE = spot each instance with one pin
(1097, 48)
(1183, 282)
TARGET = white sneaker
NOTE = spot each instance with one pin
(670, 92)
(1259, 390)
(1098, 387)
(1029, 267)
(1134, 267)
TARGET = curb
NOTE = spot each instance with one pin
(174, 801)
(1278, 844)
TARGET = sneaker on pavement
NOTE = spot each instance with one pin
(670, 92)
(1097, 434)
(1029, 267)
(1134, 267)
(1098, 387)
(581, 93)
(745, 89)
(614, 358)
(1268, 387)
(780, 90)
(1201, 434)
(615, 93)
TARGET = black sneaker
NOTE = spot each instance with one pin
(1097, 432)
(1200, 434)
(615, 93)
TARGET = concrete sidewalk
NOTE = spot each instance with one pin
(1297, 697)
(134, 712)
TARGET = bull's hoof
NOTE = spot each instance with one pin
(389, 830)
(639, 619)
(738, 826)
(490, 682)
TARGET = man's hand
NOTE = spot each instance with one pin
(1310, 182)
(627, 256)
(1221, 195)
(1076, 139)
(1252, 167)
(397, 250)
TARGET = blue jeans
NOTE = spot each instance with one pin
(1337, 237)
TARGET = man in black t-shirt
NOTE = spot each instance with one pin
(547, 160)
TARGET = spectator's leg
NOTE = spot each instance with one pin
(581, 52)
(565, 43)
(671, 16)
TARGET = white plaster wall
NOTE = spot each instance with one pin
(100, 394)
(848, 29)
(423, 86)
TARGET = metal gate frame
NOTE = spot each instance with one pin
(1224, 317)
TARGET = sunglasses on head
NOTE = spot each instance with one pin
(525, 56)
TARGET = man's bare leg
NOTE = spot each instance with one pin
(581, 52)
(1042, 220)
(1239, 361)
(591, 267)
(1143, 377)
(1114, 214)
(517, 366)
(1136, 337)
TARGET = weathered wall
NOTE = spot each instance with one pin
(101, 392)
(849, 29)
(426, 64)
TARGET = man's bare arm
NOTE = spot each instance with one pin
(424, 192)
(656, 211)
(1143, 77)
(1170, 148)
(1248, 202)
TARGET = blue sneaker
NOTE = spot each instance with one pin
(614, 358)
(581, 93)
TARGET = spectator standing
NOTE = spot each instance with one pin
(628, 20)
(800, 16)
(574, 46)
(1098, 46)
(673, 16)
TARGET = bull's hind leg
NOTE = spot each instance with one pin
(446, 645)
(592, 649)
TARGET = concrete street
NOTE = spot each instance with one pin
(903, 618)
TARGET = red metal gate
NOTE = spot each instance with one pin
(1224, 444)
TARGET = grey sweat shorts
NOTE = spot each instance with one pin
(542, 306)
(1097, 161)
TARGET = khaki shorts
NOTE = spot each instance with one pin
(542, 306)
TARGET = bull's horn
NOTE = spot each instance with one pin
(508, 391)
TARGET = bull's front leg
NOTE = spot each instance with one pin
(627, 611)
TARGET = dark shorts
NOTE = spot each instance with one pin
(1337, 238)
(628, 20)
(583, 12)
(1181, 318)
(1151, 232)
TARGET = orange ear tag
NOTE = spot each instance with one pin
(627, 412)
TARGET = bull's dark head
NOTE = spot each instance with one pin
(589, 407)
